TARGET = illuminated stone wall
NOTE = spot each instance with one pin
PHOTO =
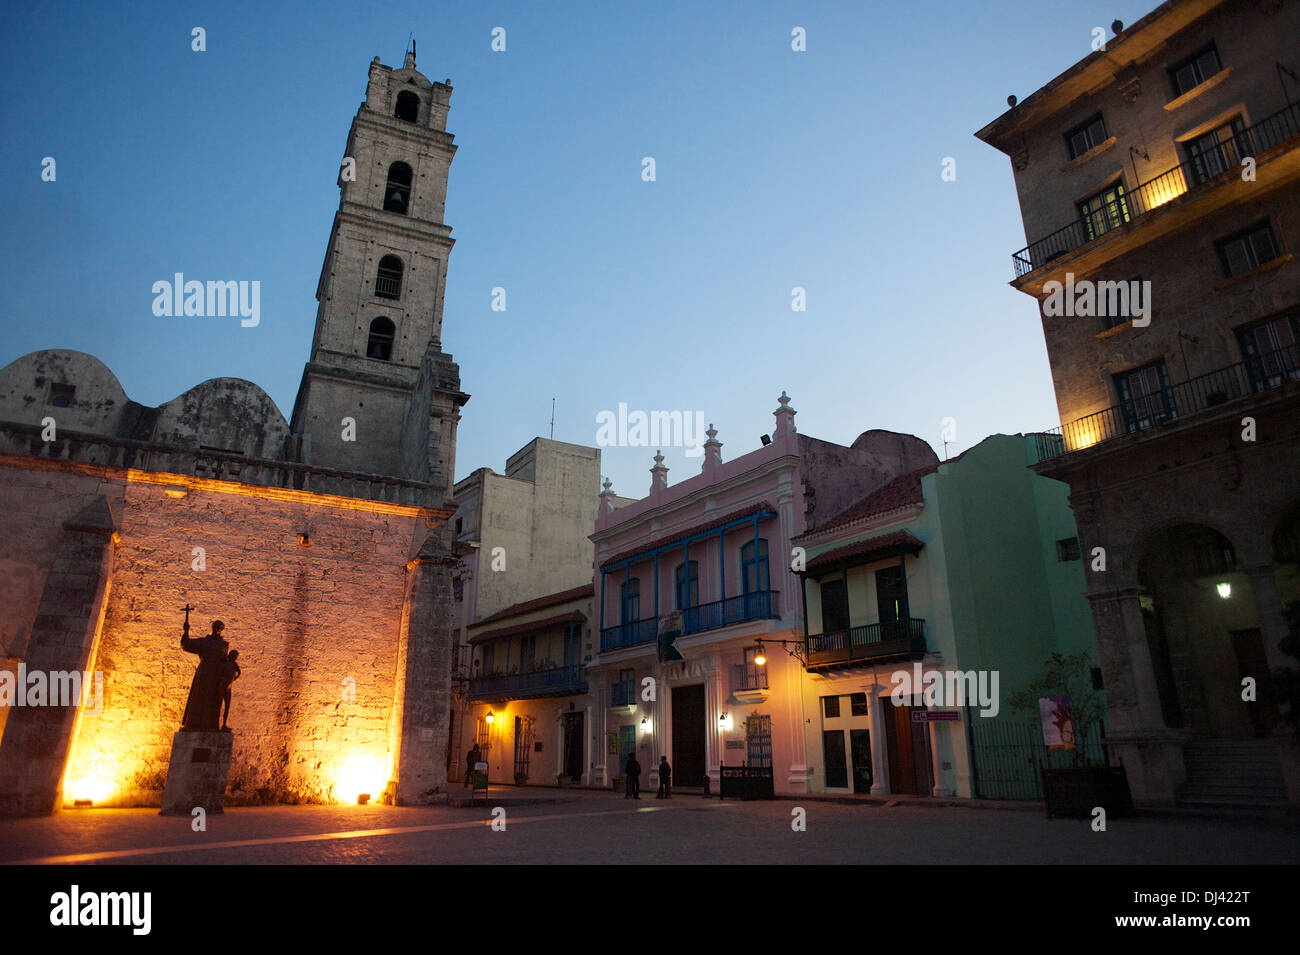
(315, 711)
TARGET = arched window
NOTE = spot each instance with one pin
(753, 566)
(408, 106)
(688, 585)
(397, 194)
(380, 345)
(388, 280)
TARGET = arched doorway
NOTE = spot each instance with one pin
(1204, 634)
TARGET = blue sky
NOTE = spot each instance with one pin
(775, 169)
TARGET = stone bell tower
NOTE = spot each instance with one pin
(378, 394)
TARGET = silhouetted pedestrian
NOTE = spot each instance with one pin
(472, 757)
(665, 779)
(633, 774)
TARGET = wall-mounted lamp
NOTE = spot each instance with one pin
(490, 718)
(645, 724)
(1224, 588)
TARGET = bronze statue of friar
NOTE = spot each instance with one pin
(208, 689)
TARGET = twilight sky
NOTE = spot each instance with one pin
(775, 169)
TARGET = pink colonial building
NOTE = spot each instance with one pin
(716, 547)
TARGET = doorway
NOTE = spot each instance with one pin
(908, 746)
(573, 739)
(860, 748)
(688, 757)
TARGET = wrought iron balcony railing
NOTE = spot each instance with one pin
(748, 677)
(1177, 402)
(759, 605)
(874, 641)
(1213, 165)
(556, 681)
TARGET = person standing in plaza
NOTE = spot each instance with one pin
(665, 779)
(633, 774)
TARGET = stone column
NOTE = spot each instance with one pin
(882, 708)
(423, 691)
(714, 694)
(1150, 751)
(1273, 629)
(798, 779)
(64, 638)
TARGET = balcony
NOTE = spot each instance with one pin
(747, 678)
(1180, 402)
(557, 681)
(1212, 167)
(867, 644)
(760, 605)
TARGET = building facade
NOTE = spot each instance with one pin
(1159, 183)
(716, 549)
(321, 542)
(970, 567)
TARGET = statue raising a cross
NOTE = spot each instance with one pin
(203, 708)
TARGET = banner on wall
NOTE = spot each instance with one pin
(1058, 728)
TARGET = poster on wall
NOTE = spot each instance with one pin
(1058, 729)
(611, 740)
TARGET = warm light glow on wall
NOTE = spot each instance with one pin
(1083, 439)
(360, 773)
(95, 788)
(1165, 188)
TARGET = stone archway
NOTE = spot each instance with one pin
(1204, 634)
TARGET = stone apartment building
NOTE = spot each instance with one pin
(1170, 162)
(322, 542)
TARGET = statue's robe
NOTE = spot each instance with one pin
(203, 708)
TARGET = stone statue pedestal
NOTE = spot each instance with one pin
(197, 772)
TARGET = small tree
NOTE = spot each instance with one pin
(1070, 677)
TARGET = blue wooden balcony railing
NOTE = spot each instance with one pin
(557, 681)
(759, 605)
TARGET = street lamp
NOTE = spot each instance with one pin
(793, 647)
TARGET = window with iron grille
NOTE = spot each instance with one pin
(1067, 549)
(858, 705)
(388, 277)
(758, 740)
(1104, 211)
(1218, 150)
(752, 676)
(483, 736)
(623, 689)
(1247, 250)
(1114, 317)
(831, 706)
(1145, 397)
(1271, 350)
(1087, 135)
(1195, 70)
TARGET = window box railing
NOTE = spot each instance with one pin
(874, 641)
(1175, 403)
(1212, 165)
(388, 286)
(553, 681)
(759, 605)
(746, 677)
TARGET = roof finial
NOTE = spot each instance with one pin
(410, 54)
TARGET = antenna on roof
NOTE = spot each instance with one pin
(552, 417)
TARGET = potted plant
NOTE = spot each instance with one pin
(1075, 790)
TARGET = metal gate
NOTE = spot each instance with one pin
(524, 731)
(1008, 757)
